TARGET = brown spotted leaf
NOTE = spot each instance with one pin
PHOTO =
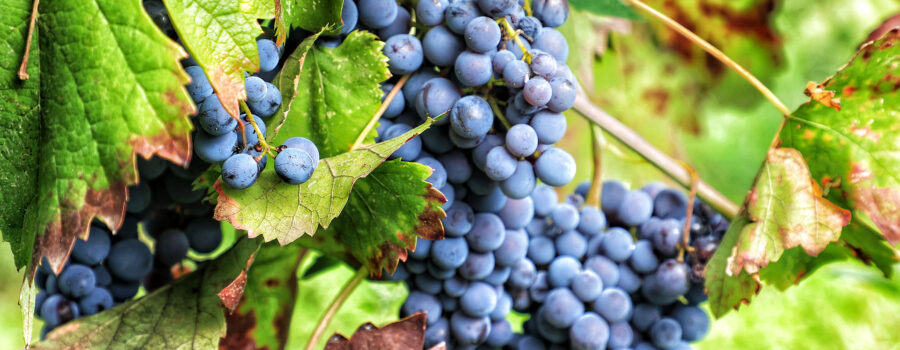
(826, 97)
(405, 334)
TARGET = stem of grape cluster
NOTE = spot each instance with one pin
(527, 7)
(686, 232)
(596, 190)
(335, 306)
(499, 113)
(23, 68)
(262, 138)
(715, 52)
(384, 105)
(511, 33)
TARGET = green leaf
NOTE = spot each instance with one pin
(277, 210)
(233, 25)
(854, 150)
(614, 8)
(310, 15)
(336, 94)
(264, 9)
(869, 246)
(263, 317)
(186, 314)
(386, 212)
(287, 82)
(783, 210)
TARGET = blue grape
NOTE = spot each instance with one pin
(670, 204)
(438, 177)
(693, 320)
(471, 117)
(667, 237)
(643, 259)
(541, 250)
(516, 74)
(670, 281)
(199, 88)
(478, 300)
(552, 12)
(530, 26)
(645, 315)
(497, 8)
(565, 217)
(589, 332)
(487, 233)
(501, 333)
(614, 304)
(349, 17)
(562, 270)
(513, 47)
(477, 266)
(77, 280)
(499, 164)
(249, 132)
(97, 300)
(428, 284)
(696, 294)
(463, 142)
(269, 54)
(214, 119)
(459, 14)
(441, 46)
(56, 310)
(549, 126)
(181, 191)
(123, 290)
(151, 168)
(423, 247)
(240, 171)
(562, 308)
(517, 213)
(537, 227)
(514, 115)
(521, 183)
(500, 274)
(431, 12)
(539, 288)
(552, 41)
(459, 220)
(537, 91)
(94, 250)
(523, 274)
(636, 208)
(304, 144)
(436, 97)
(479, 154)
(171, 247)
(214, 149)
(416, 266)
(397, 104)
(545, 199)
(629, 281)
(482, 34)
(501, 59)
(457, 165)
(330, 42)
(620, 335)
(415, 83)
(269, 104)
(377, 14)
(129, 260)
(605, 268)
(421, 302)
(204, 234)
(404, 53)
(437, 333)
(571, 243)
(543, 64)
(101, 275)
(450, 194)
(665, 333)
(438, 273)
(587, 286)
(617, 244)
(469, 330)
(481, 185)
(592, 220)
(400, 25)
(613, 195)
(449, 253)
(436, 139)
(455, 286)
(473, 69)
(411, 149)
(521, 140)
(562, 94)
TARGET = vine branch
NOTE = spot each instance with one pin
(335, 305)
(686, 231)
(384, 105)
(23, 68)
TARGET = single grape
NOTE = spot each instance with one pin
(101, 275)
(56, 310)
(693, 320)
(589, 332)
(620, 335)
(213, 118)
(459, 170)
(617, 244)
(635, 209)
(517, 213)
(438, 273)
(523, 274)
(214, 149)
(240, 171)
(521, 183)
(304, 144)
(415, 83)
(530, 26)
(562, 94)
(95, 249)
(550, 127)
(438, 177)
(561, 271)
(77, 280)
(629, 281)
(199, 88)
(400, 25)
(473, 69)
(469, 330)
(571, 243)
(562, 308)
(436, 139)
(349, 17)
(514, 115)
(501, 333)
(411, 149)
(421, 302)
(151, 168)
(404, 53)
(552, 41)
(537, 91)
(436, 97)
(552, 12)
(459, 14)
(204, 234)
(455, 286)
(666, 333)
(543, 64)
(499, 165)
(377, 14)
(269, 104)
(487, 233)
(497, 8)
(477, 266)
(516, 74)
(544, 198)
(459, 220)
(471, 117)
(463, 142)
(541, 250)
(428, 284)
(449, 253)
(431, 12)
(643, 259)
(478, 300)
(171, 247)
(437, 332)
(614, 305)
(501, 59)
(97, 300)
(479, 154)
(397, 104)
(670, 203)
(521, 140)
(667, 237)
(482, 34)
(441, 46)
(605, 268)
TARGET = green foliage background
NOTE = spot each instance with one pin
(844, 305)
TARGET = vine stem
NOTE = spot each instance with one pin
(499, 113)
(595, 192)
(335, 305)
(259, 134)
(660, 160)
(23, 68)
(715, 52)
(526, 56)
(384, 105)
(686, 232)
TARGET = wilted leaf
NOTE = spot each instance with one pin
(386, 212)
(233, 25)
(277, 210)
(405, 334)
(614, 8)
(336, 94)
(186, 314)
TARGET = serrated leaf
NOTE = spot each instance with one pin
(264, 9)
(855, 152)
(262, 320)
(186, 314)
(224, 60)
(869, 246)
(277, 210)
(287, 81)
(614, 8)
(727, 291)
(310, 15)
(386, 212)
(405, 334)
(336, 94)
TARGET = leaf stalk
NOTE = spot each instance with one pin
(384, 105)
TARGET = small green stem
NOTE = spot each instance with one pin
(511, 33)
(262, 138)
(334, 307)
(384, 105)
(23, 68)
(685, 245)
(528, 7)
(499, 113)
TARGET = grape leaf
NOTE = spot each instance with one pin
(264, 9)
(310, 15)
(386, 212)
(336, 94)
(262, 319)
(186, 314)
(277, 210)
(233, 25)
(405, 334)
(287, 80)
(614, 8)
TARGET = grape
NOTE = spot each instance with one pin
(416, 266)
(269, 54)
(349, 17)
(636, 208)
(330, 42)
(562, 308)
(539, 288)
(478, 300)
(421, 302)
(563, 94)
(514, 47)
(487, 233)
(499, 276)
(544, 198)
(521, 183)
(151, 168)
(592, 220)
(620, 335)
(428, 284)
(436, 97)
(614, 305)
(101, 275)
(455, 286)
(501, 333)
(473, 69)
(617, 244)
(543, 64)
(541, 250)
(497, 8)
(459, 14)
(501, 59)
(400, 25)
(471, 117)
(438, 273)
(437, 332)
(240, 171)
(97, 300)
(469, 330)
(214, 149)
(514, 115)
(477, 266)
(415, 83)
(587, 286)
(521, 140)
(404, 53)
(204, 235)
(214, 119)
(613, 195)
(411, 149)
(269, 104)
(431, 12)
(605, 268)
(441, 46)
(552, 12)
(670, 204)
(481, 185)
(669, 281)
(77, 281)
(665, 333)
(589, 332)
(464, 143)
(397, 104)
(304, 144)
(377, 14)
(693, 321)
(199, 88)
(499, 164)
(457, 165)
(537, 91)
(552, 41)
(530, 26)
(56, 310)
(438, 177)
(628, 280)
(459, 220)
(516, 73)
(550, 127)
(479, 154)
(436, 139)
(171, 247)
(562, 270)
(643, 259)
(571, 243)
(517, 213)
(449, 253)
(645, 315)
(482, 34)
(523, 274)
(667, 237)
(95, 249)
(157, 12)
